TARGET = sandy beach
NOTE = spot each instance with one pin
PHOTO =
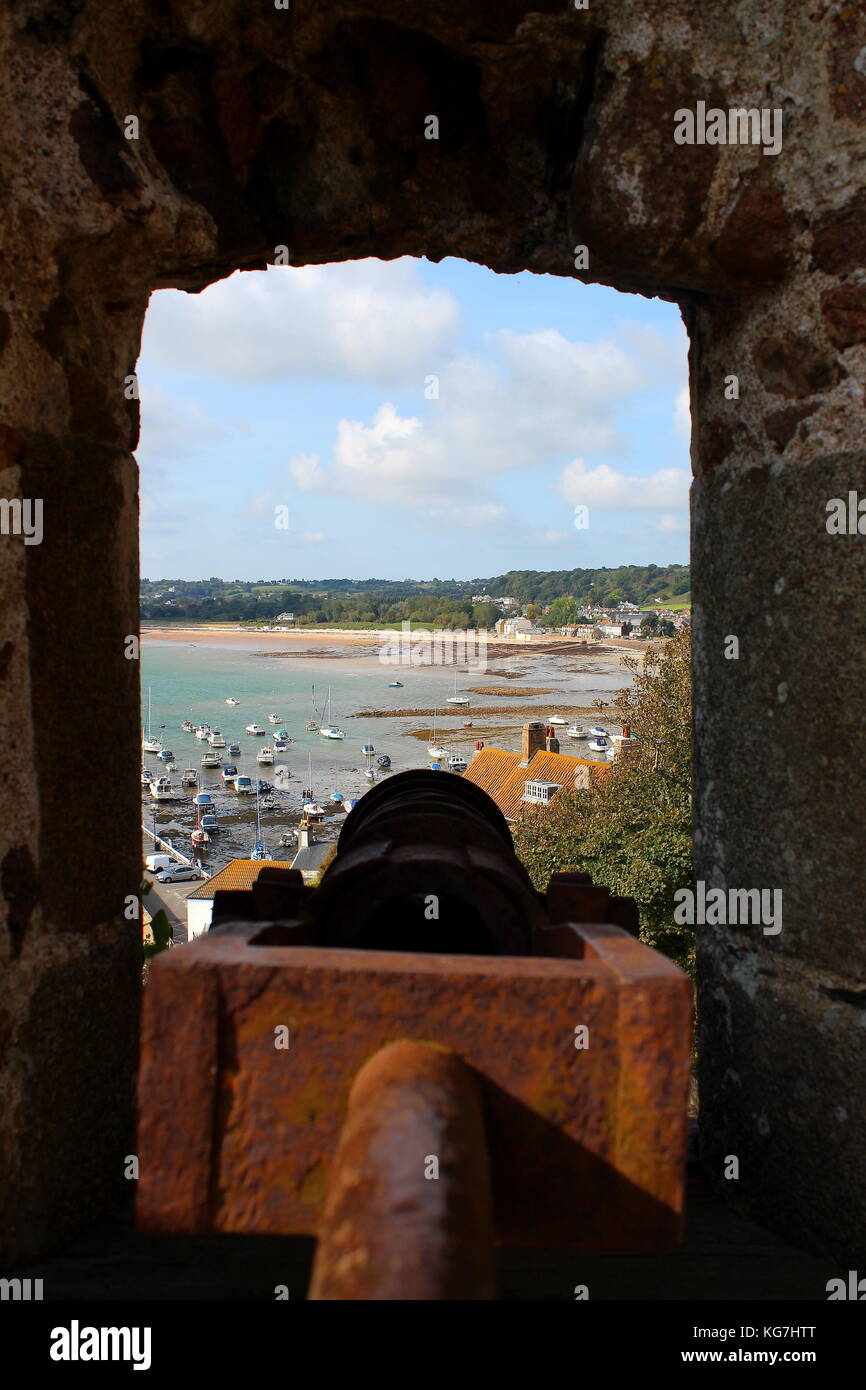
(310, 642)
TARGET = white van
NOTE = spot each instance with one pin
(156, 862)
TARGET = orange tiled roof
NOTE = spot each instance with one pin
(500, 775)
(240, 873)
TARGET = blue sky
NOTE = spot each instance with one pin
(305, 394)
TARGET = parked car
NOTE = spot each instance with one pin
(156, 862)
(178, 873)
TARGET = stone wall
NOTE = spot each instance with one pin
(305, 128)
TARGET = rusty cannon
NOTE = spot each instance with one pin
(417, 1060)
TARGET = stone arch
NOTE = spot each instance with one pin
(306, 128)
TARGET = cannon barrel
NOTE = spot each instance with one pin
(425, 862)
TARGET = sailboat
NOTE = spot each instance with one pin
(433, 748)
(456, 699)
(259, 852)
(312, 810)
(329, 730)
(148, 742)
(312, 723)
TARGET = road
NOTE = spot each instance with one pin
(172, 898)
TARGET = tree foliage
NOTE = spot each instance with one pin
(632, 830)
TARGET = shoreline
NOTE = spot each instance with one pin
(298, 640)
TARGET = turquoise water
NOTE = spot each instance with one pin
(192, 681)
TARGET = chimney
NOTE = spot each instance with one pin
(303, 837)
(478, 747)
(531, 743)
(551, 742)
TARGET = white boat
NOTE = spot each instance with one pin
(211, 759)
(148, 742)
(456, 699)
(189, 778)
(160, 789)
(265, 755)
(368, 750)
(556, 719)
(186, 726)
(370, 774)
(232, 701)
(200, 837)
(435, 749)
(599, 745)
(597, 731)
(228, 774)
(313, 723)
(216, 739)
(146, 776)
(255, 729)
(575, 731)
(275, 719)
(244, 785)
(202, 731)
(313, 811)
(329, 730)
(456, 763)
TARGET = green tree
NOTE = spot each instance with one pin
(533, 612)
(632, 829)
(562, 612)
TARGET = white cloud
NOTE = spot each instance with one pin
(536, 399)
(670, 524)
(174, 427)
(683, 414)
(603, 487)
(370, 321)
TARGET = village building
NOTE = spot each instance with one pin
(533, 777)
(239, 875)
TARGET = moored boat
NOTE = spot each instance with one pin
(329, 730)
(265, 755)
(255, 729)
(383, 760)
(216, 740)
(161, 789)
(434, 749)
(456, 699)
(189, 778)
(149, 743)
(228, 773)
(211, 759)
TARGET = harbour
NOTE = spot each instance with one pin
(229, 681)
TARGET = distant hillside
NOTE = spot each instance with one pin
(641, 584)
(454, 603)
